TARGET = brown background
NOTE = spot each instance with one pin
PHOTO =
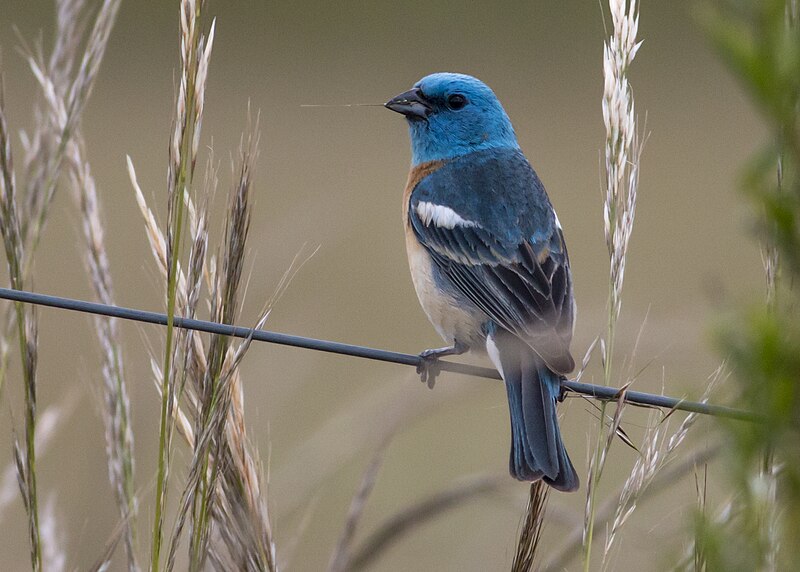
(332, 177)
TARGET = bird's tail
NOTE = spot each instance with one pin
(537, 451)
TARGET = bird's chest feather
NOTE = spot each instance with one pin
(452, 315)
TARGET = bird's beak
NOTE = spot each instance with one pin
(411, 103)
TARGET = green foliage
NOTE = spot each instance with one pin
(760, 40)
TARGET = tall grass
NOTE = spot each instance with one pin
(223, 499)
(27, 331)
(70, 16)
(657, 450)
(230, 524)
(622, 157)
(195, 52)
(531, 531)
(66, 80)
(222, 521)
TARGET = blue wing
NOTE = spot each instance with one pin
(507, 254)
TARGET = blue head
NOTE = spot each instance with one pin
(452, 114)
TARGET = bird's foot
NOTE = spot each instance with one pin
(562, 391)
(429, 367)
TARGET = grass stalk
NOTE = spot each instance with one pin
(340, 560)
(395, 527)
(117, 410)
(22, 227)
(183, 152)
(656, 452)
(592, 485)
(65, 119)
(664, 480)
(26, 335)
(531, 532)
(44, 150)
(223, 501)
(216, 394)
(622, 152)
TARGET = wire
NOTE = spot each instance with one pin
(637, 398)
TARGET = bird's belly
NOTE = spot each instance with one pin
(453, 316)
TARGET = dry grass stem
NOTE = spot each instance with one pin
(606, 435)
(657, 451)
(701, 488)
(531, 531)
(340, 558)
(27, 331)
(116, 403)
(9, 208)
(55, 77)
(224, 499)
(65, 102)
(754, 507)
(622, 158)
(399, 525)
(213, 394)
(195, 52)
(58, 138)
(622, 148)
(664, 480)
(22, 218)
(49, 422)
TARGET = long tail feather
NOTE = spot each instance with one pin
(537, 451)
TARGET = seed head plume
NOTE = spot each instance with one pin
(621, 181)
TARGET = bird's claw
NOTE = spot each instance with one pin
(562, 391)
(429, 367)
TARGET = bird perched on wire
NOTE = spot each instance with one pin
(488, 259)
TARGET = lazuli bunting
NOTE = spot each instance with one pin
(488, 259)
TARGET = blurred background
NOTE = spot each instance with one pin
(332, 177)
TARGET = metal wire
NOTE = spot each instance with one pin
(637, 398)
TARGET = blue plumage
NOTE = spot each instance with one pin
(481, 124)
(488, 259)
(537, 451)
(497, 187)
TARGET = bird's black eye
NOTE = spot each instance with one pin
(456, 101)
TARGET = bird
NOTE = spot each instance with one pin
(488, 260)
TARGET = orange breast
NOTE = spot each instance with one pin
(450, 315)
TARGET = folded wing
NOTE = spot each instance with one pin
(490, 229)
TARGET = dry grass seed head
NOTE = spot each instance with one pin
(656, 452)
(531, 532)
